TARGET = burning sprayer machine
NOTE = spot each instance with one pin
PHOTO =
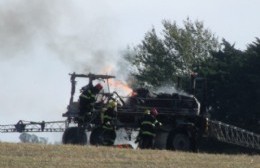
(182, 117)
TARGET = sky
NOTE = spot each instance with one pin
(43, 41)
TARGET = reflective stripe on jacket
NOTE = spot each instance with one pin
(148, 125)
(148, 133)
(87, 95)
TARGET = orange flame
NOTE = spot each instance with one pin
(116, 84)
(120, 85)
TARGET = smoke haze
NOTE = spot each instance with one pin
(41, 42)
(78, 33)
(44, 40)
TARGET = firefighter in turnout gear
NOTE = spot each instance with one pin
(147, 132)
(108, 123)
(87, 100)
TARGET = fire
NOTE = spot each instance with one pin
(119, 85)
(116, 84)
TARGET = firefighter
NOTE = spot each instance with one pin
(110, 111)
(87, 100)
(108, 123)
(149, 123)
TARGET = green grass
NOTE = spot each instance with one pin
(69, 156)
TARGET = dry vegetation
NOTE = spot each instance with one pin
(55, 156)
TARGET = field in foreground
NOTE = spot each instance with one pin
(68, 156)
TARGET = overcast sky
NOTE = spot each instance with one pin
(44, 40)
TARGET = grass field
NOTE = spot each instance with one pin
(69, 156)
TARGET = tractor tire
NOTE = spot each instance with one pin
(100, 136)
(75, 136)
(96, 136)
(179, 141)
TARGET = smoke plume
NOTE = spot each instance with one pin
(41, 42)
(81, 34)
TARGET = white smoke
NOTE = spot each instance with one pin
(170, 89)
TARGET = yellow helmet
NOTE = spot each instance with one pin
(146, 111)
(112, 104)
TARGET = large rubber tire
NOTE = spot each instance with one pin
(179, 141)
(75, 136)
(96, 136)
(99, 136)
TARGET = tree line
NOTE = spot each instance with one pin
(232, 75)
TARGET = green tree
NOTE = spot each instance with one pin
(252, 71)
(223, 72)
(192, 45)
(178, 52)
(233, 85)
